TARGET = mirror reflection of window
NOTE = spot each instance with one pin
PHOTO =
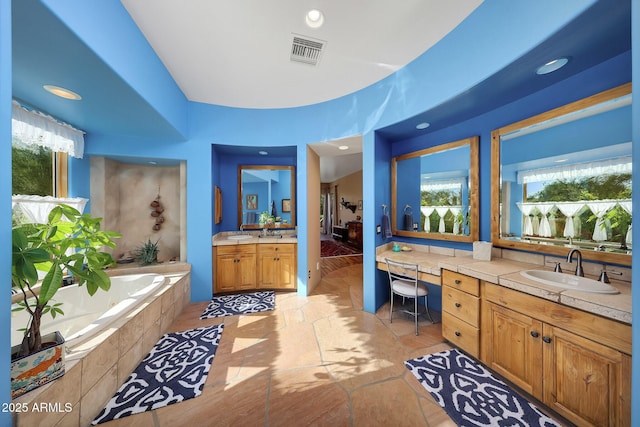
(566, 181)
(434, 192)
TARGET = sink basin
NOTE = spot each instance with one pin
(567, 281)
(239, 237)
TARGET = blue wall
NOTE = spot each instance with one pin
(5, 207)
(635, 115)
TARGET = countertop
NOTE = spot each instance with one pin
(222, 239)
(506, 272)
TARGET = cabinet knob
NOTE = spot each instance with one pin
(546, 339)
(457, 333)
(457, 281)
(458, 304)
(535, 334)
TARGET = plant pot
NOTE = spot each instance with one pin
(37, 369)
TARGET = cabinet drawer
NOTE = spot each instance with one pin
(235, 249)
(461, 334)
(461, 282)
(462, 305)
(284, 248)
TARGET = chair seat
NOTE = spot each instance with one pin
(408, 289)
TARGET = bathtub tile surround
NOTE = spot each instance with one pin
(96, 367)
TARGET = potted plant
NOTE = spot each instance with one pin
(69, 242)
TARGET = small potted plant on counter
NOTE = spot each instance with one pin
(68, 242)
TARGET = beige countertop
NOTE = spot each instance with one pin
(506, 272)
(225, 238)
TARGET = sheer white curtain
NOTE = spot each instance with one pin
(326, 222)
(545, 228)
(571, 211)
(526, 209)
(455, 210)
(442, 211)
(427, 211)
(626, 205)
(599, 209)
(581, 170)
(34, 128)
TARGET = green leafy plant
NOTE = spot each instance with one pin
(147, 253)
(266, 218)
(68, 241)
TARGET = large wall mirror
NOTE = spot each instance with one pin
(434, 192)
(562, 180)
(266, 189)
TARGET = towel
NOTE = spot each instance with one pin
(386, 227)
(408, 222)
(251, 218)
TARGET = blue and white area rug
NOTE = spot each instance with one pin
(175, 370)
(230, 305)
(471, 395)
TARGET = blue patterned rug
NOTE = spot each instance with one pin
(471, 395)
(175, 370)
(230, 305)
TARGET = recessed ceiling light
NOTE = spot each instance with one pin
(422, 125)
(262, 153)
(62, 92)
(152, 162)
(314, 18)
(343, 147)
(552, 66)
(561, 160)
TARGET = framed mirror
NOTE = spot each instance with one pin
(562, 180)
(264, 188)
(434, 192)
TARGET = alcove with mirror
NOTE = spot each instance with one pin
(562, 180)
(266, 188)
(434, 192)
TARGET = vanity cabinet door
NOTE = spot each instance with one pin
(514, 349)
(277, 266)
(235, 268)
(583, 379)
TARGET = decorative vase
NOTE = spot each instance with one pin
(39, 368)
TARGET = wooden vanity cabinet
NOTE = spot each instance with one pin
(277, 266)
(234, 268)
(575, 362)
(461, 311)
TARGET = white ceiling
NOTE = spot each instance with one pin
(237, 53)
(336, 163)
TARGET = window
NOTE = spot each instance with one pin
(38, 170)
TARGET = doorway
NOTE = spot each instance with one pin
(340, 203)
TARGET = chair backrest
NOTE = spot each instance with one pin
(402, 271)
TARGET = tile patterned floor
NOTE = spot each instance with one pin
(314, 361)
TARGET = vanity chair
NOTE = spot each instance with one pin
(403, 281)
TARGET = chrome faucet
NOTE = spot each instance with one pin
(579, 270)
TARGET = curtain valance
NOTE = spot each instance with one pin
(619, 165)
(34, 128)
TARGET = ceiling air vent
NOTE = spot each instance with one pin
(306, 50)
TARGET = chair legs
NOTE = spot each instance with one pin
(415, 313)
